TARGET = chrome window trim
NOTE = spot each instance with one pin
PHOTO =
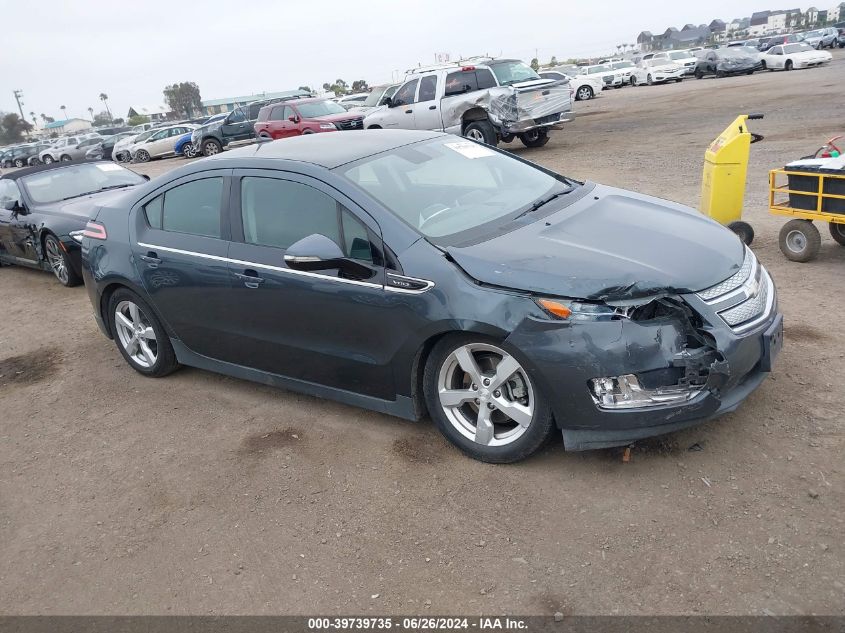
(289, 271)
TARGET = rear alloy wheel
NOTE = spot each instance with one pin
(140, 336)
(584, 93)
(60, 262)
(698, 74)
(482, 132)
(483, 400)
(800, 240)
(211, 147)
(188, 150)
(65, 158)
(837, 232)
(535, 138)
(142, 156)
(48, 159)
(19, 162)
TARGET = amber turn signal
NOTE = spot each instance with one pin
(555, 307)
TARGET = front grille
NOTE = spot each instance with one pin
(733, 282)
(351, 124)
(608, 79)
(744, 299)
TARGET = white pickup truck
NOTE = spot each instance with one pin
(488, 100)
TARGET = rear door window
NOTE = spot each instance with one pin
(428, 88)
(192, 208)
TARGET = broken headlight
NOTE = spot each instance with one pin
(626, 392)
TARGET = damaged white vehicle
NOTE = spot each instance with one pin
(488, 100)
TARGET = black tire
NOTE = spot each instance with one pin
(632, 81)
(374, 127)
(211, 146)
(535, 138)
(788, 65)
(720, 74)
(166, 361)
(65, 158)
(698, 74)
(837, 232)
(679, 80)
(508, 138)
(649, 80)
(188, 150)
(584, 93)
(19, 162)
(763, 64)
(304, 132)
(799, 240)
(482, 131)
(265, 135)
(48, 160)
(744, 230)
(539, 430)
(59, 262)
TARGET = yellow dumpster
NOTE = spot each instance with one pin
(723, 180)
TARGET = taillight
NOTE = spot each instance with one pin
(95, 231)
(467, 68)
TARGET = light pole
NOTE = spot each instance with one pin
(18, 95)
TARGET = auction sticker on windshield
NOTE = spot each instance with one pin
(109, 167)
(470, 149)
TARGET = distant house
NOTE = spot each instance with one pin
(645, 41)
(811, 16)
(155, 113)
(718, 30)
(68, 126)
(836, 13)
(687, 27)
(738, 25)
(227, 104)
(696, 36)
(759, 23)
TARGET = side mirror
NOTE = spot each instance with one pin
(145, 177)
(317, 252)
(293, 118)
(14, 206)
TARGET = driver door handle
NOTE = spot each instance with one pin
(432, 107)
(151, 258)
(250, 278)
(409, 111)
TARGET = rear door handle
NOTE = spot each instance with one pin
(434, 107)
(151, 258)
(250, 278)
(409, 111)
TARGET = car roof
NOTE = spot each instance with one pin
(26, 171)
(329, 150)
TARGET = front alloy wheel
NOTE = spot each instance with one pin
(484, 401)
(585, 93)
(60, 262)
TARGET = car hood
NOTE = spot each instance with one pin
(668, 67)
(332, 118)
(737, 61)
(611, 245)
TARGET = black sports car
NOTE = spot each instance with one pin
(43, 211)
(726, 61)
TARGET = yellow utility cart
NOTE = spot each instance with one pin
(806, 196)
(723, 180)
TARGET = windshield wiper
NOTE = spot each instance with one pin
(88, 193)
(542, 202)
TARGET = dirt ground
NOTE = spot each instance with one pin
(204, 494)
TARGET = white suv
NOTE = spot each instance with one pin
(682, 58)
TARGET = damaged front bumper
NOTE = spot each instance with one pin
(618, 381)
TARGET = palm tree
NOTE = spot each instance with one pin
(105, 99)
(34, 118)
(44, 117)
(64, 111)
(91, 112)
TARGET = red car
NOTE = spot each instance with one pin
(304, 116)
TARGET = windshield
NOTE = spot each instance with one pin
(813, 34)
(446, 187)
(592, 70)
(77, 180)
(623, 65)
(512, 72)
(319, 108)
(376, 95)
(797, 48)
(679, 55)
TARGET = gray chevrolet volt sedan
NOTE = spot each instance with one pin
(417, 273)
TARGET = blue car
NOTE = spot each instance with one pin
(184, 147)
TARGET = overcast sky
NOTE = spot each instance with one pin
(63, 52)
